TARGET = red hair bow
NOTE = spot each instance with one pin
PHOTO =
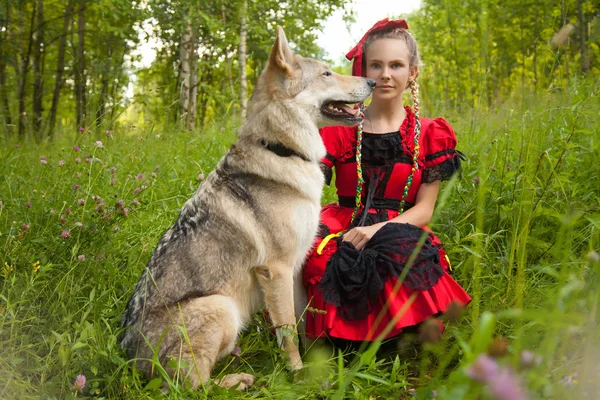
(356, 53)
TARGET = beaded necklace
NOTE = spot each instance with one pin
(415, 166)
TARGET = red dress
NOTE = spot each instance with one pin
(387, 159)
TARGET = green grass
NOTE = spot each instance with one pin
(519, 228)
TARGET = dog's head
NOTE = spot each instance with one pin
(327, 97)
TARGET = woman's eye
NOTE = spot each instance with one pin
(374, 66)
(327, 73)
(397, 65)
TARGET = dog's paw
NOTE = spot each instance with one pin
(240, 382)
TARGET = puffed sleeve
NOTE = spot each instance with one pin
(441, 160)
(334, 141)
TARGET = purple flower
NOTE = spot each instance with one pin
(113, 170)
(529, 359)
(593, 257)
(62, 219)
(506, 386)
(154, 175)
(43, 160)
(75, 187)
(120, 204)
(157, 167)
(81, 257)
(66, 234)
(68, 211)
(76, 148)
(483, 369)
(125, 211)
(61, 163)
(112, 182)
(25, 227)
(79, 383)
(107, 133)
(477, 180)
(81, 202)
(140, 176)
(136, 202)
(136, 190)
(200, 177)
(89, 160)
(28, 204)
(77, 160)
(79, 224)
(99, 144)
(82, 129)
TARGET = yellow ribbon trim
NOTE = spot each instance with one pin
(326, 240)
(449, 265)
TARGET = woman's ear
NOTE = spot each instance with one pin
(414, 72)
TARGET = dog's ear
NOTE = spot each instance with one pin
(282, 57)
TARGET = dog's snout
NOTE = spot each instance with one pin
(371, 83)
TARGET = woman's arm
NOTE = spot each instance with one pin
(419, 215)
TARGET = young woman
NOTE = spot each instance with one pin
(375, 264)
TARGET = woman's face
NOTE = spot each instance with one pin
(388, 64)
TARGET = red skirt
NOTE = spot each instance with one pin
(397, 304)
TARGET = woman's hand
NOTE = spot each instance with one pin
(360, 235)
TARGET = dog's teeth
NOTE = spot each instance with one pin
(330, 106)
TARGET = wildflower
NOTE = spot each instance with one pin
(498, 348)
(140, 176)
(28, 204)
(454, 311)
(81, 202)
(79, 383)
(569, 380)
(79, 224)
(99, 144)
(36, 266)
(430, 331)
(116, 228)
(25, 227)
(125, 211)
(119, 204)
(107, 133)
(68, 211)
(61, 163)
(200, 177)
(154, 175)
(157, 167)
(43, 160)
(76, 148)
(113, 170)
(477, 180)
(529, 359)
(77, 160)
(112, 182)
(506, 386)
(66, 234)
(62, 220)
(89, 160)
(52, 212)
(593, 257)
(82, 129)
(137, 190)
(81, 257)
(75, 187)
(483, 369)
(136, 202)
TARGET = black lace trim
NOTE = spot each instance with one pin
(382, 148)
(445, 170)
(353, 279)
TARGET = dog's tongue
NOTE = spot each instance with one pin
(349, 110)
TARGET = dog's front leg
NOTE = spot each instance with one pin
(276, 281)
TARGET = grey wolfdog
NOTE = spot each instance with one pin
(241, 239)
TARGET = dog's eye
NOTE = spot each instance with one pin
(327, 73)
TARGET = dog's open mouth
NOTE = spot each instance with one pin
(339, 110)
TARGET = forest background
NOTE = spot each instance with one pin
(97, 158)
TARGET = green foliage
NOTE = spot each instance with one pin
(518, 227)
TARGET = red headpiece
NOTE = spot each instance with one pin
(356, 53)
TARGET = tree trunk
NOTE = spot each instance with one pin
(104, 88)
(3, 94)
(80, 79)
(185, 73)
(38, 75)
(24, 67)
(60, 66)
(242, 55)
